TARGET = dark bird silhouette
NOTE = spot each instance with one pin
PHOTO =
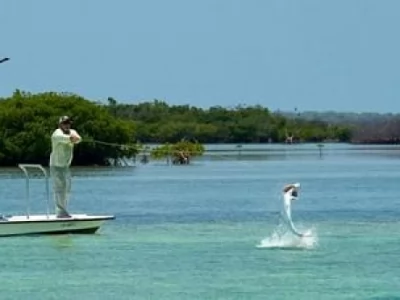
(4, 60)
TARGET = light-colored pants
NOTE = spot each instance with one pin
(62, 187)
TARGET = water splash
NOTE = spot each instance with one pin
(288, 240)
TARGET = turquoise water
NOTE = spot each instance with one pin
(191, 232)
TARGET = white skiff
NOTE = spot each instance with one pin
(48, 223)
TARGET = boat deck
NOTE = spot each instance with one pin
(53, 218)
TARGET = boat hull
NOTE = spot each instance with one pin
(42, 224)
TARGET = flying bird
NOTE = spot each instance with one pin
(4, 60)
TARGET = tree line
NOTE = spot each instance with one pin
(367, 128)
(27, 121)
(158, 122)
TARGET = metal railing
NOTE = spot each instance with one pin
(24, 168)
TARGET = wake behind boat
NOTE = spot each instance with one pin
(48, 223)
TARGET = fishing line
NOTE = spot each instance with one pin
(127, 147)
(121, 146)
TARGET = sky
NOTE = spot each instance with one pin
(341, 55)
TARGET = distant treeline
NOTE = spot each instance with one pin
(112, 131)
(158, 122)
(27, 121)
(371, 128)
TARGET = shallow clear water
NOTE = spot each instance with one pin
(191, 232)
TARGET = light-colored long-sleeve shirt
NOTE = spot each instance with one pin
(62, 148)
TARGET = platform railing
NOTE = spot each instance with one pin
(24, 168)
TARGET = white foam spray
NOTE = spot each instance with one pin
(288, 240)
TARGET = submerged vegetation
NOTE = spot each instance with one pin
(112, 130)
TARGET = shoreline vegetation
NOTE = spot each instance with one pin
(366, 128)
(112, 131)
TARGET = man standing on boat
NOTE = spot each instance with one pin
(62, 142)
